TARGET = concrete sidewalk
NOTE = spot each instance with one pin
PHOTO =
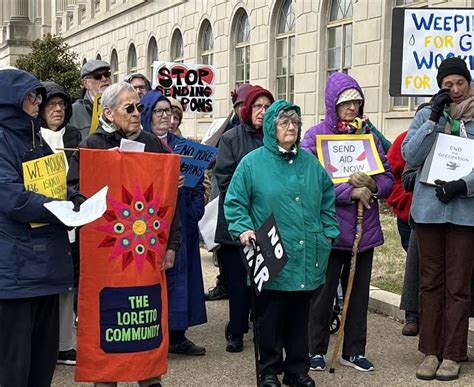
(395, 357)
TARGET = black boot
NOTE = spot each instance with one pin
(298, 380)
(269, 380)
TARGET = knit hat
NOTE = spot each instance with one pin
(349, 95)
(252, 95)
(238, 96)
(176, 108)
(451, 66)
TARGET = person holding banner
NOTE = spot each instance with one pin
(35, 264)
(233, 146)
(121, 120)
(185, 283)
(303, 206)
(344, 116)
(95, 78)
(444, 224)
(55, 112)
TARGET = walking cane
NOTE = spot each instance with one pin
(355, 249)
(252, 304)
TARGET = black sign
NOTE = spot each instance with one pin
(269, 257)
(130, 319)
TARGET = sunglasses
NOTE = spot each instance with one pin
(98, 76)
(131, 108)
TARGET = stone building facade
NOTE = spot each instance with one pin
(287, 46)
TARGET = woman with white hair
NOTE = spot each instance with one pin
(121, 119)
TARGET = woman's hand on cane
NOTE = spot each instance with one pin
(360, 179)
(364, 195)
(246, 236)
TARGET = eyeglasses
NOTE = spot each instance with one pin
(159, 112)
(286, 123)
(260, 106)
(52, 104)
(35, 97)
(98, 76)
(131, 108)
(348, 104)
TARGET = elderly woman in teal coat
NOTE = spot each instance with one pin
(282, 180)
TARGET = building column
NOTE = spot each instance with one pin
(19, 11)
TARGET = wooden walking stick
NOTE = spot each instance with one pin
(347, 297)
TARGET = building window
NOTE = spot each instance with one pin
(177, 48)
(340, 36)
(285, 51)
(132, 60)
(70, 20)
(84, 61)
(82, 13)
(152, 55)
(98, 57)
(206, 43)
(114, 66)
(242, 49)
(96, 6)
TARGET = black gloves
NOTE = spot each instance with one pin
(77, 200)
(445, 191)
(438, 103)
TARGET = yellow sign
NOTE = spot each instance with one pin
(46, 176)
(96, 112)
(343, 154)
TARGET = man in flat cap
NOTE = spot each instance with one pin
(95, 78)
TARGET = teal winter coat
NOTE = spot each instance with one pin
(299, 193)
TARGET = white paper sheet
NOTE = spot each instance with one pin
(131, 146)
(92, 209)
(208, 224)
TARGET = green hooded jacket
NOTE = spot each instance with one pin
(298, 192)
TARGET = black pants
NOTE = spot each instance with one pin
(282, 322)
(239, 292)
(221, 279)
(29, 341)
(355, 330)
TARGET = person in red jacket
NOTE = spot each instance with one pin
(400, 200)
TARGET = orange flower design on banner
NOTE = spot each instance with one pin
(136, 228)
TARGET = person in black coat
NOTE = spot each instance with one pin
(55, 112)
(34, 263)
(233, 146)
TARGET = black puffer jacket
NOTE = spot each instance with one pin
(105, 140)
(233, 146)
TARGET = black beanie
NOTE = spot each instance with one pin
(451, 66)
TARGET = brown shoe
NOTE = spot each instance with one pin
(410, 328)
(427, 369)
(448, 370)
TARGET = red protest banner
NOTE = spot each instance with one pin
(123, 304)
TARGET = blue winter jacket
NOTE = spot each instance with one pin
(33, 262)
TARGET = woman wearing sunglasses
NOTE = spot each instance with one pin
(121, 119)
(186, 303)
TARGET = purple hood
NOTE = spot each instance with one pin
(346, 208)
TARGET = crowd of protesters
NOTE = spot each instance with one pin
(318, 221)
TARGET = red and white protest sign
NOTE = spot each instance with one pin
(192, 85)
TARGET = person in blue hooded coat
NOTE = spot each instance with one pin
(35, 264)
(186, 303)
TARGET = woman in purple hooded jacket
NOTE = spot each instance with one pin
(344, 102)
